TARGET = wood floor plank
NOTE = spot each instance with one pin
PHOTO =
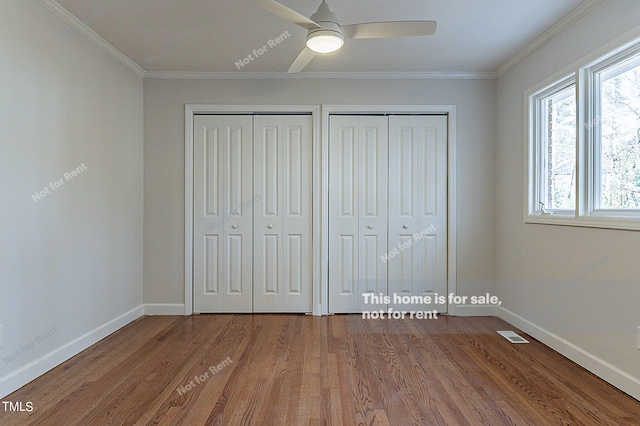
(302, 370)
(551, 394)
(89, 365)
(222, 338)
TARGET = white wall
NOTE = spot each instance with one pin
(578, 284)
(71, 262)
(164, 161)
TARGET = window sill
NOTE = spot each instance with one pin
(622, 223)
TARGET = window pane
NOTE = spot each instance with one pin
(560, 188)
(620, 144)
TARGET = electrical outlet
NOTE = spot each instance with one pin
(2, 335)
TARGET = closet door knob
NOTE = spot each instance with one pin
(405, 226)
(370, 226)
(270, 226)
(234, 226)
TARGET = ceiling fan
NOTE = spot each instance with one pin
(326, 35)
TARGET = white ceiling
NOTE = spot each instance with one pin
(211, 35)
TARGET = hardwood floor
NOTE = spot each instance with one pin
(302, 370)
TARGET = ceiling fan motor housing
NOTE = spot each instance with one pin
(328, 21)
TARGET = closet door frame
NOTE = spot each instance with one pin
(320, 187)
(191, 110)
(450, 112)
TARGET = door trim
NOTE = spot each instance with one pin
(195, 109)
(321, 292)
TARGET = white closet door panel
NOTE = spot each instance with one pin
(295, 168)
(211, 185)
(211, 264)
(403, 208)
(295, 266)
(282, 218)
(266, 271)
(345, 169)
(404, 166)
(344, 268)
(428, 176)
(417, 215)
(234, 277)
(432, 213)
(427, 250)
(238, 224)
(268, 166)
(343, 214)
(357, 210)
(222, 227)
(267, 215)
(297, 205)
(373, 207)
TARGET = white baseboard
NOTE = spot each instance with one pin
(164, 309)
(38, 367)
(475, 311)
(601, 368)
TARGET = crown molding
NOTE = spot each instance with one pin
(320, 75)
(77, 25)
(570, 19)
(585, 7)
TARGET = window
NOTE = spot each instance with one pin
(556, 148)
(584, 145)
(617, 136)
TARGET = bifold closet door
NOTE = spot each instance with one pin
(358, 191)
(222, 228)
(418, 209)
(282, 217)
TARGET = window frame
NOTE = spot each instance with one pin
(592, 75)
(587, 76)
(538, 150)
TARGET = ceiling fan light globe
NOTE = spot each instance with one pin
(324, 43)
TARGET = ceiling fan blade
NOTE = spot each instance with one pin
(302, 60)
(286, 13)
(390, 29)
